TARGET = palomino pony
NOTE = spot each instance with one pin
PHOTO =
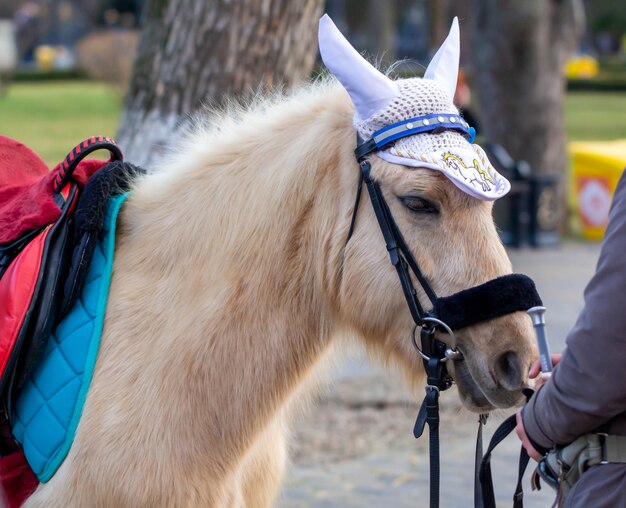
(232, 284)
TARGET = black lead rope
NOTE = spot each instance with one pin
(487, 496)
(478, 458)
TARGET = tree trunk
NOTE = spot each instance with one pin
(519, 49)
(382, 30)
(438, 23)
(194, 52)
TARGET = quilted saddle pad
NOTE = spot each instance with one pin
(48, 408)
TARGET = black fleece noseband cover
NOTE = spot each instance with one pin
(490, 300)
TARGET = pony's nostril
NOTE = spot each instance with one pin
(509, 371)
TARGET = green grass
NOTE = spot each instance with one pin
(595, 116)
(52, 117)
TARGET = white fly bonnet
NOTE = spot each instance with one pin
(413, 121)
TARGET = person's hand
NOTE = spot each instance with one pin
(521, 433)
(535, 371)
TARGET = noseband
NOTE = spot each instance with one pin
(495, 298)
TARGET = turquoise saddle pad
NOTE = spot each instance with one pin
(48, 408)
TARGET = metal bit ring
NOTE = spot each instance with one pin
(452, 353)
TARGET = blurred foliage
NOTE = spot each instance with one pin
(611, 77)
(108, 55)
(606, 16)
(22, 75)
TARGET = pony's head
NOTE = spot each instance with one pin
(431, 182)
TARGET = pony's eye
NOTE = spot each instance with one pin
(419, 205)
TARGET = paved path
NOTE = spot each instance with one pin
(395, 474)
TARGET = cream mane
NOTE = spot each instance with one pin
(233, 175)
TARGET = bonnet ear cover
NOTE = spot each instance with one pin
(443, 69)
(380, 103)
(370, 90)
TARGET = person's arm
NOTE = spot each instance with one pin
(588, 388)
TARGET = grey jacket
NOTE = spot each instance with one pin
(587, 391)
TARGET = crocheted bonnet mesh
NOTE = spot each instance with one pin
(449, 151)
(383, 104)
(418, 97)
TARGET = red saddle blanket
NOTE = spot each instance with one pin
(36, 244)
(27, 186)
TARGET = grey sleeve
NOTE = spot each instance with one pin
(588, 387)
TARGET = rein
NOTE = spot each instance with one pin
(495, 298)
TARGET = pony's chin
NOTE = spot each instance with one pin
(473, 399)
(478, 400)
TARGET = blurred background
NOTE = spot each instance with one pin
(543, 81)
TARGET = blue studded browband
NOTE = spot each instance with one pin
(419, 125)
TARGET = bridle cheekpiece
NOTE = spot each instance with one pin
(495, 298)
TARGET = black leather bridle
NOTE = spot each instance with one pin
(498, 297)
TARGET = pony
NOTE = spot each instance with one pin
(233, 286)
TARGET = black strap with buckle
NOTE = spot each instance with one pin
(437, 380)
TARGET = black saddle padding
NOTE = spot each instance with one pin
(81, 232)
(498, 297)
(112, 179)
(39, 318)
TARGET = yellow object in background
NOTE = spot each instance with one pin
(581, 67)
(44, 57)
(595, 170)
